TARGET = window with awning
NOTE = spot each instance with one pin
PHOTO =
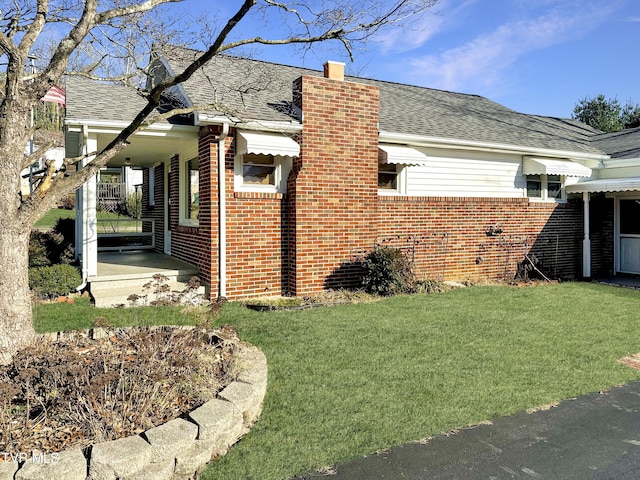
(263, 143)
(548, 166)
(400, 155)
(263, 161)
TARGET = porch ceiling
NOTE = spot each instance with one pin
(147, 150)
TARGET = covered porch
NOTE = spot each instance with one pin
(625, 193)
(108, 244)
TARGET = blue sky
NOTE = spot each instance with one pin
(534, 56)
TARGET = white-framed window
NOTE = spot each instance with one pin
(258, 169)
(256, 172)
(545, 187)
(189, 192)
(391, 178)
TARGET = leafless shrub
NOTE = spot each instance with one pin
(81, 391)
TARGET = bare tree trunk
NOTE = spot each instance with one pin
(16, 326)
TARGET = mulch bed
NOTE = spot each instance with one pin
(79, 391)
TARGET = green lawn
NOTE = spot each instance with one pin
(108, 222)
(51, 217)
(53, 317)
(347, 381)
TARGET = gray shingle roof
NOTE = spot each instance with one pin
(623, 144)
(256, 90)
(88, 99)
(404, 109)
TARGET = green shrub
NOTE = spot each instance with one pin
(38, 255)
(67, 228)
(54, 280)
(52, 247)
(387, 271)
(133, 204)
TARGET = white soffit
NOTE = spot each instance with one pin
(399, 154)
(541, 166)
(606, 185)
(276, 144)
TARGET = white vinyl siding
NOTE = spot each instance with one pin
(467, 174)
(619, 172)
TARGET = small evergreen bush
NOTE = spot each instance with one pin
(38, 256)
(52, 247)
(54, 280)
(387, 271)
(67, 228)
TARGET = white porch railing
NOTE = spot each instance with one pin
(111, 192)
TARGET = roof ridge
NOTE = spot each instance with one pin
(368, 79)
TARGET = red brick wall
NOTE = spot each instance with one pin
(198, 245)
(255, 257)
(448, 237)
(254, 249)
(333, 186)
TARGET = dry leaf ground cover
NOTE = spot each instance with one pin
(79, 391)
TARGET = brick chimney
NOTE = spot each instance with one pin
(334, 70)
(332, 192)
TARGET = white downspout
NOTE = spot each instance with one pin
(222, 214)
(586, 243)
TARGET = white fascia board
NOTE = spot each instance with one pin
(621, 162)
(257, 125)
(115, 127)
(594, 159)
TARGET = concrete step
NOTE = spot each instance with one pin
(120, 295)
(110, 282)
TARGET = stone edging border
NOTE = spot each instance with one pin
(177, 450)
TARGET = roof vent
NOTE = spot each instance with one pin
(334, 70)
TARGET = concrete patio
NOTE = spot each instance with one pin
(121, 274)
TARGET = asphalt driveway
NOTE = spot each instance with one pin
(595, 436)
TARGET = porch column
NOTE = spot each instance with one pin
(89, 217)
(586, 243)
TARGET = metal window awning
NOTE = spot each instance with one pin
(400, 154)
(264, 143)
(547, 166)
(606, 185)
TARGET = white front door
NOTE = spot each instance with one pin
(629, 235)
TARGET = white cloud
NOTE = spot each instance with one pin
(480, 64)
(415, 34)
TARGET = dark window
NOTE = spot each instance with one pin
(258, 169)
(630, 217)
(387, 176)
(534, 186)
